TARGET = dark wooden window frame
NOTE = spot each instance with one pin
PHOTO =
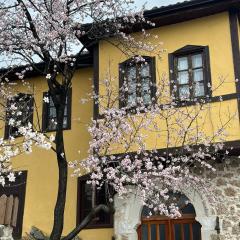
(18, 189)
(188, 51)
(45, 113)
(30, 115)
(80, 203)
(122, 70)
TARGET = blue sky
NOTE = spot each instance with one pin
(155, 3)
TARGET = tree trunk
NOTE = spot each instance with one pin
(63, 172)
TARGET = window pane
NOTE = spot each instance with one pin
(198, 75)
(51, 102)
(197, 61)
(51, 124)
(199, 89)
(177, 231)
(184, 92)
(183, 63)
(131, 72)
(146, 92)
(132, 92)
(87, 194)
(197, 231)
(144, 232)
(65, 122)
(183, 77)
(186, 228)
(52, 112)
(162, 231)
(153, 232)
(188, 209)
(145, 70)
(132, 100)
(65, 110)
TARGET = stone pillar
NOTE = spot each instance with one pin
(208, 226)
(127, 217)
(5, 233)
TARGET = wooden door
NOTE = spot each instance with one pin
(162, 228)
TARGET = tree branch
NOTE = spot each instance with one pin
(86, 221)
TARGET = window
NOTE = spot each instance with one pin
(163, 228)
(19, 108)
(12, 199)
(50, 115)
(190, 73)
(84, 199)
(137, 82)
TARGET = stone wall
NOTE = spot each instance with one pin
(226, 182)
(5, 233)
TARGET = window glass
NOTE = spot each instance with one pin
(144, 232)
(145, 70)
(153, 232)
(199, 89)
(131, 72)
(197, 61)
(132, 92)
(162, 231)
(184, 92)
(146, 91)
(186, 229)
(182, 63)
(197, 231)
(177, 231)
(198, 75)
(183, 77)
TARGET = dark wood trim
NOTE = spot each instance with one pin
(234, 25)
(80, 199)
(83, 61)
(96, 79)
(69, 109)
(234, 29)
(232, 146)
(172, 14)
(153, 77)
(45, 113)
(122, 96)
(203, 100)
(18, 188)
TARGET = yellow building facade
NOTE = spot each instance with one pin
(205, 24)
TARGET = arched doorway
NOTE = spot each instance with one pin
(163, 228)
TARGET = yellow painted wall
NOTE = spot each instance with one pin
(42, 168)
(212, 31)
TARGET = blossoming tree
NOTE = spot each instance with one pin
(159, 150)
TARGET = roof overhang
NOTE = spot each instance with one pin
(83, 61)
(189, 10)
